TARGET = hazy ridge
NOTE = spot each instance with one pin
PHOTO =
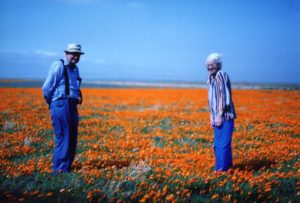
(26, 83)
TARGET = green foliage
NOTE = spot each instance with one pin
(72, 188)
(165, 124)
(159, 141)
(65, 187)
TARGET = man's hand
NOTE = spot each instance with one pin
(80, 97)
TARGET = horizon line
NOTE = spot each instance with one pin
(27, 83)
(92, 80)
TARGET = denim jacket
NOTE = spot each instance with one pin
(54, 86)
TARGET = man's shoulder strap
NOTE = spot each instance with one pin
(63, 62)
(67, 85)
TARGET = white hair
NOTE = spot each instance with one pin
(216, 57)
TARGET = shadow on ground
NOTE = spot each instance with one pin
(255, 164)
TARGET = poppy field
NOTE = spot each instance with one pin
(151, 145)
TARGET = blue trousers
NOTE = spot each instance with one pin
(65, 120)
(222, 145)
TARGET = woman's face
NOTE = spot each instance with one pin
(212, 66)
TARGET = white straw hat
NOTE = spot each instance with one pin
(74, 48)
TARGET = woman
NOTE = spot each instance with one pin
(222, 113)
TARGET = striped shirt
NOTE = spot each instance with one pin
(220, 97)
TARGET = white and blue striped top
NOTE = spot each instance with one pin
(220, 97)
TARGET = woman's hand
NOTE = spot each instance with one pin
(211, 121)
(218, 121)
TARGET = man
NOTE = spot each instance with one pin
(62, 93)
(222, 112)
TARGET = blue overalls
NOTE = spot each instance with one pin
(65, 120)
(62, 98)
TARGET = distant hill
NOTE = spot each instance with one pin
(25, 83)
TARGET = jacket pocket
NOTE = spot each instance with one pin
(59, 103)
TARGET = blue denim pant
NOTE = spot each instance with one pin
(222, 145)
(65, 120)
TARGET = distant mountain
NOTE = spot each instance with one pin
(25, 83)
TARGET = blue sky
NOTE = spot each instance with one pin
(153, 40)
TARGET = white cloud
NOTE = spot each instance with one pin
(95, 61)
(46, 53)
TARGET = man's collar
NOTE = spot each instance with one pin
(68, 65)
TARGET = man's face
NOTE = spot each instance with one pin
(212, 66)
(72, 58)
